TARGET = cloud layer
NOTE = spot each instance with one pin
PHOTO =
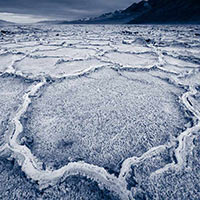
(62, 9)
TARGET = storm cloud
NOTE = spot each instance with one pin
(62, 9)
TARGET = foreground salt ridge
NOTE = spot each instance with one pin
(181, 151)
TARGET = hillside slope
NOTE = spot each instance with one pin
(170, 11)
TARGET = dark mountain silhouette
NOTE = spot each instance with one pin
(171, 11)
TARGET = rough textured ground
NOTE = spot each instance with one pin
(99, 112)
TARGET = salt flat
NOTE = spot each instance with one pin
(99, 112)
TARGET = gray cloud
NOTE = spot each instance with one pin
(63, 9)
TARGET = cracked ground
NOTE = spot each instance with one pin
(100, 112)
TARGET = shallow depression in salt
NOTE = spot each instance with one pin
(103, 118)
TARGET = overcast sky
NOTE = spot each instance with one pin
(25, 11)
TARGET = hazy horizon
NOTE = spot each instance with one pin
(29, 11)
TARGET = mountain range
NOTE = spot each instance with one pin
(3, 22)
(149, 12)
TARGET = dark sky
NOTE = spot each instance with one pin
(35, 10)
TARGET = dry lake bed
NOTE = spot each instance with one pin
(100, 112)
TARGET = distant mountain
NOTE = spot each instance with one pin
(119, 16)
(146, 12)
(116, 17)
(170, 11)
(2, 22)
